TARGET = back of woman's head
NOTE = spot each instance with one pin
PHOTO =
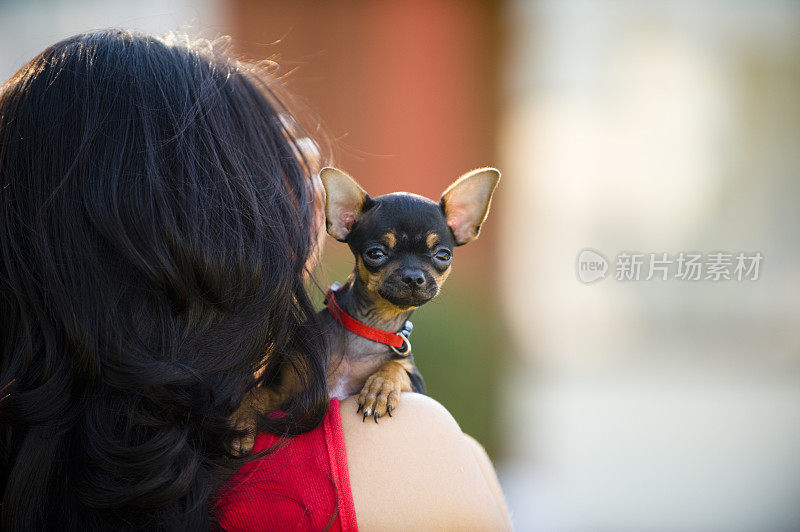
(156, 219)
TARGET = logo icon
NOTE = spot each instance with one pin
(592, 266)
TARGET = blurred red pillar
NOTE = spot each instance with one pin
(407, 91)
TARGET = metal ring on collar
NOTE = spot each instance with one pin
(406, 346)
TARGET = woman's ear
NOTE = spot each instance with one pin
(344, 201)
(466, 203)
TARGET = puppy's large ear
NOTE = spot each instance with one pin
(344, 201)
(466, 203)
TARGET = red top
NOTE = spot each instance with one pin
(303, 485)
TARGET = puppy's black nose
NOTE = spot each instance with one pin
(413, 278)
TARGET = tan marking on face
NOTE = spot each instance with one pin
(372, 281)
(389, 239)
(386, 310)
(366, 277)
(432, 239)
(441, 277)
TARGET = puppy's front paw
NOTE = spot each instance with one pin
(381, 392)
(257, 401)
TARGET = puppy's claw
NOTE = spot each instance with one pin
(382, 389)
(360, 406)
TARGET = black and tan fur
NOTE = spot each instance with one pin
(403, 245)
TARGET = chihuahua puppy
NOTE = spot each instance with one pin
(403, 248)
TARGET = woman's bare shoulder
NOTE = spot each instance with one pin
(415, 470)
(414, 409)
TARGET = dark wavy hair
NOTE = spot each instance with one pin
(157, 220)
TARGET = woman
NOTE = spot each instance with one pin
(157, 222)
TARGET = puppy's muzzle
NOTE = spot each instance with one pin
(409, 287)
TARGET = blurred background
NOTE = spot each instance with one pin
(635, 126)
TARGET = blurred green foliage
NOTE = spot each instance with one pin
(458, 350)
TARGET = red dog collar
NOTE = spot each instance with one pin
(398, 341)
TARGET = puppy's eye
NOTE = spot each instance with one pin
(442, 255)
(375, 254)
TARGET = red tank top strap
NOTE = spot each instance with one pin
(304, 484)
(334, 439)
